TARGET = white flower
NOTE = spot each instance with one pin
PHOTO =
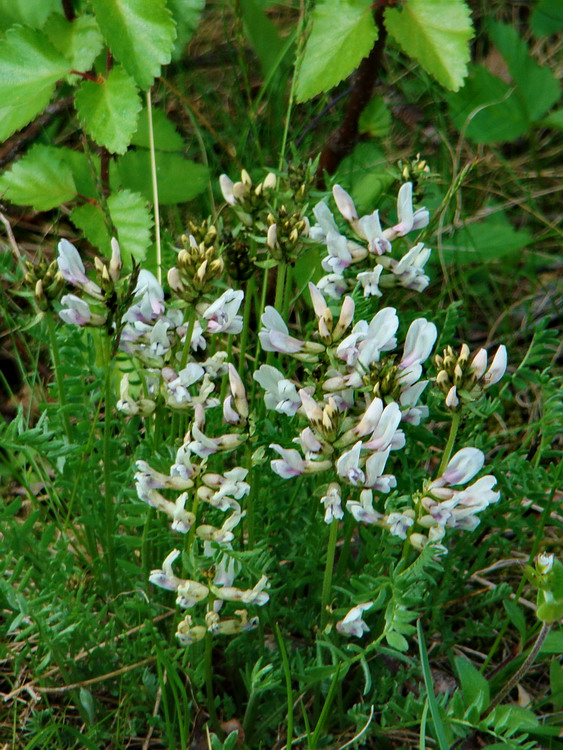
(339, 256)
(165, 577)
(291, 463)
(344, 203)
(222, 315)
(151, 293)
(348, 465)
(375, 478)
(408, 218)
(544, 563)
(256, 595)
(274, 336)
(332, 503)
(77, 312)
(409, 271)
(461, 468)
(408, 399)
(385, 434)
(281, 394)
(497, 368)
(369, 228)
(365, 343)
(334, 285)
(421, 337)
(398, 523)
(326, 224)
(363, 510)
(451, 398)
(369, 281)
(352, 623)
(72, 269)
(226, 185)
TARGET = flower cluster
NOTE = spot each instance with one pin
(353, 408)
(463, 381)
(371, 246)
(208, 495)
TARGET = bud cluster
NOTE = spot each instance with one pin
(463, 381)
(199, 263)
(286, 233)
(45, 282)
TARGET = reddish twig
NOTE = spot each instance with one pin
(344, 138)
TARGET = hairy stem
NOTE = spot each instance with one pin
(327, 580)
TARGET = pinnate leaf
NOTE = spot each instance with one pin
(40, 179)
(140, 34)
(79, 40)
(343, 33)
(179, 179)
(437, 34)
(109, 110)
(130, 217)
(29, 66)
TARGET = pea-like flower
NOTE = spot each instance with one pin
(352, 623)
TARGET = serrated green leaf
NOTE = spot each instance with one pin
(166, 137)
(109, 110)
(85, 170)
(437, 34)
(186, 14)
(538, 88)
(80, 40)
(474, 686)
(13, 118)
(492, 238)
(29, 66)
(40, 179)
(343, 33)
(131, 219)
(179, 179)
(487, 109)
(27, 13)
(376, 118)
(547, 18)
(140, 34)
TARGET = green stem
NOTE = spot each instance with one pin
(191, 532)
(249, 292)
(188, 341)
(327, 580)
(280, 287)
(107, 460)
(250, 500)
(288, 688)
(450, 444)
(209, 685)
(517, 676)
(58, 374)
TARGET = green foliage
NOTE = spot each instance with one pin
(547, 18)
(375, 118)
(109, 109)
(79, 40)
(342, 33)
(29, 68)
(40, 179)
(489, 110)
(186, 14)
(140, 34)
(166, 137)
(263, 36)
(436, 33)
(492, 238)
(27, 13)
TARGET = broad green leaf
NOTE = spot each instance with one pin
(29, 66)
(262, 35)
(343, 33)
(40, 179)
(27, 13)
(437, 34)
(15, 117)
(166, 137)
(364, 174)
(487, 109)
(538, 88)
(376, 118)
(554, 120)
(186, 14)
(547, 17)
(130, 218)
(85, 170)
(109, 110)
(140, 33)
(179, 179)
(474, 687)
(492, 238)
(80, 40)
